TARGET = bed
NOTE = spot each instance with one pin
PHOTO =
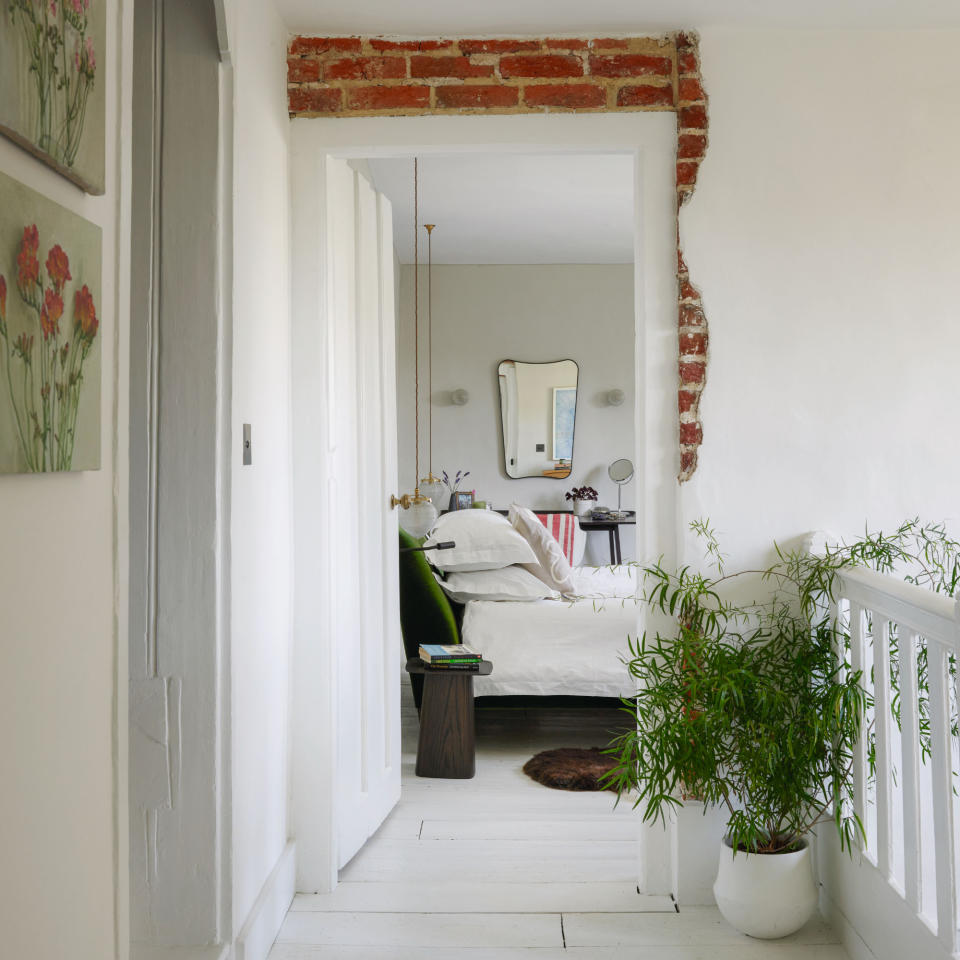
(562, 647)
(571, 646)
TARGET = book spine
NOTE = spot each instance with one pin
(452, 658)
(469, 667)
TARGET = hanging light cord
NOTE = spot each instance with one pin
(416, 329)
(430, 341)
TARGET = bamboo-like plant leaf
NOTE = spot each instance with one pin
(754, 705)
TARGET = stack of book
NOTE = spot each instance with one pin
(454, 656)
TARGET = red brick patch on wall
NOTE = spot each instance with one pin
(380, 76)
(693, 335)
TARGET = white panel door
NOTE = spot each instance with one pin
(363, 458)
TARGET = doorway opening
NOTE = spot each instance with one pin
(322, 293)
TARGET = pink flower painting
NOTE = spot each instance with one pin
(42, 367)
(56, 40)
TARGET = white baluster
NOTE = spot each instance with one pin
(910, 745)
(881, 718)
(860, 747)
(956, 702)
(942, 776)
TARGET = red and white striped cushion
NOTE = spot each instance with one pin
(565, 528)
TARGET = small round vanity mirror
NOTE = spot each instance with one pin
(621, 472)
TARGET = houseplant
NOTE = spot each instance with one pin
(748, 706)
(583, 499)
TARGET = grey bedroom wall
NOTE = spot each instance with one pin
(485, 314)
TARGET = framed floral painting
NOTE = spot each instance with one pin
(50, 299)
(52, 99)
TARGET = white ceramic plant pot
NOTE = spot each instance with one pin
(582, 507)
(765, 895)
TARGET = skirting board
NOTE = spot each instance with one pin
(263, 924)
(147, 951)
(874, 921)
(851, 940)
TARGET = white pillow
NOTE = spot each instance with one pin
(510, 583)
(552, 566)
(484, 541)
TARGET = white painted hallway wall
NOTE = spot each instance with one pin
(63, 648)
(225, 872)
(261, 527)
(823, 234)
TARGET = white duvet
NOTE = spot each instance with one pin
(559, 647)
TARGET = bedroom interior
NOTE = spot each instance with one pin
(539, 617)
(210, 737)
(532, 263)
(535, 260)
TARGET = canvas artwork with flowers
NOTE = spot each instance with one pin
(50, 314)
(52, 98)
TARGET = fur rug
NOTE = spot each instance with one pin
(570, 768)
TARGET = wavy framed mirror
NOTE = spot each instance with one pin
(538, 412)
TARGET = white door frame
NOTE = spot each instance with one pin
(180, 867)
(651, 138)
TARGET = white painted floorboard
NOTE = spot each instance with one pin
(753, 950)
(501, 868)
(620, 829)
(471, 896)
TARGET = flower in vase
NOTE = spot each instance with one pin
(85, 314)
(28, 266)
(58, 267)
(453, 484)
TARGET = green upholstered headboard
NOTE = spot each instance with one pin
(426, 615)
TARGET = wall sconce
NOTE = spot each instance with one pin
(615, 398)
(459, 397)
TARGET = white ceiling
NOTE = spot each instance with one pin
(559, 17)
(514, 208)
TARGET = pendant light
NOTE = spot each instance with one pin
(431, 486)
(421, 514)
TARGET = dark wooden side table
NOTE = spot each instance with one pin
(613, 529)
(446, 747)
